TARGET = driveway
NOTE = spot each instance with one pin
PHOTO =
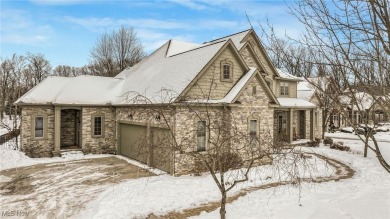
(60, 190)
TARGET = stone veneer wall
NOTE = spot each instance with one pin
(37, 147)
(255, 107)
(68, 127)
(105, 143)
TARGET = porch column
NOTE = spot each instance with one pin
(312, 124)
(290, 125)
(57, 131)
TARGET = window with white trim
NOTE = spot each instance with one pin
(38, 127)
(284, 89)
(253, 132)
(201, 136)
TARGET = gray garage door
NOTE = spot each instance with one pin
(133, 144)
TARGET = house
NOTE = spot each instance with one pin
(230, 76)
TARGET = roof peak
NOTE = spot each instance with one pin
(247, 30)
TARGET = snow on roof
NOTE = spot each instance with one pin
(364, 101)
(177, 47)
(288, 76)
(236, 38)
(295, 102)
(88, 90)
(159, 72)
(305, 90)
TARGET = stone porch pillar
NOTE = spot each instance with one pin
(312, 122)
(290, 125)
(57, 131)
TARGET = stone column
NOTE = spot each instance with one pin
(312, 124)
(57, 131)
(290, 125)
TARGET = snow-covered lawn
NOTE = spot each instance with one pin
(58, 187)
(365, 195)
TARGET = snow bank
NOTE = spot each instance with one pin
(13, 158)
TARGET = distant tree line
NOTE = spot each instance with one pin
(113, 52)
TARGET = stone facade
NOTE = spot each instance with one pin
(98, 144)
(32, 146)
(211, 79)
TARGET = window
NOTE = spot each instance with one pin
(316, 119)
(226, 72)
(201, 136)
(253, 90)
(284, 88)
(97, 126)
(253, 132)
(39, 127)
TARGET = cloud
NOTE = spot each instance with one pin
(99, 24)
(190, 4)
(64, 2)
(20, 27)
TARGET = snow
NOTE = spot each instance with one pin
(157, 73)
(236, 39)
(365, 195)
(294, 102)
(177, 47)
(6, 125)
(287, 75)
(10, 158)
(83, 89)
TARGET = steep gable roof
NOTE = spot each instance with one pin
(236, 38)
(159, 72)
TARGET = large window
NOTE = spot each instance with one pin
(253, 132)
(38, 130)
(97, 127)
(284, 88)
(201, 136)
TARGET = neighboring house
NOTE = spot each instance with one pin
(357, 106)
(232, 75)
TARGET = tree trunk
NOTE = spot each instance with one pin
(222, 211)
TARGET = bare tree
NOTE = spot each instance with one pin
(67, 71)
(353, 39)
(38, 67)
(114, 52)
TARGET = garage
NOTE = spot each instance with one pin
(153, 149)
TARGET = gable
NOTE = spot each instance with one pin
(262, 56)
(209, 84)
(248, 97)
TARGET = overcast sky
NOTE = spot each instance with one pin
(65, 30)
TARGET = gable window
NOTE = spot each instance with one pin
(38, 130)
(201, 136)
(253, 132)
(284, 89)
(226, 72)
(97, 126)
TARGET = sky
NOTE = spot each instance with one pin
(66, 30)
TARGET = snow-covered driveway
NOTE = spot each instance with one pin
(62, 188)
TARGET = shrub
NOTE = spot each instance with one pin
(340, 146)
(328, 141)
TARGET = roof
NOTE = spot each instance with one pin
(85, 89)
(294, 103)
(287, 76)
(236, 39)
(159, 72)
(305, 90)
